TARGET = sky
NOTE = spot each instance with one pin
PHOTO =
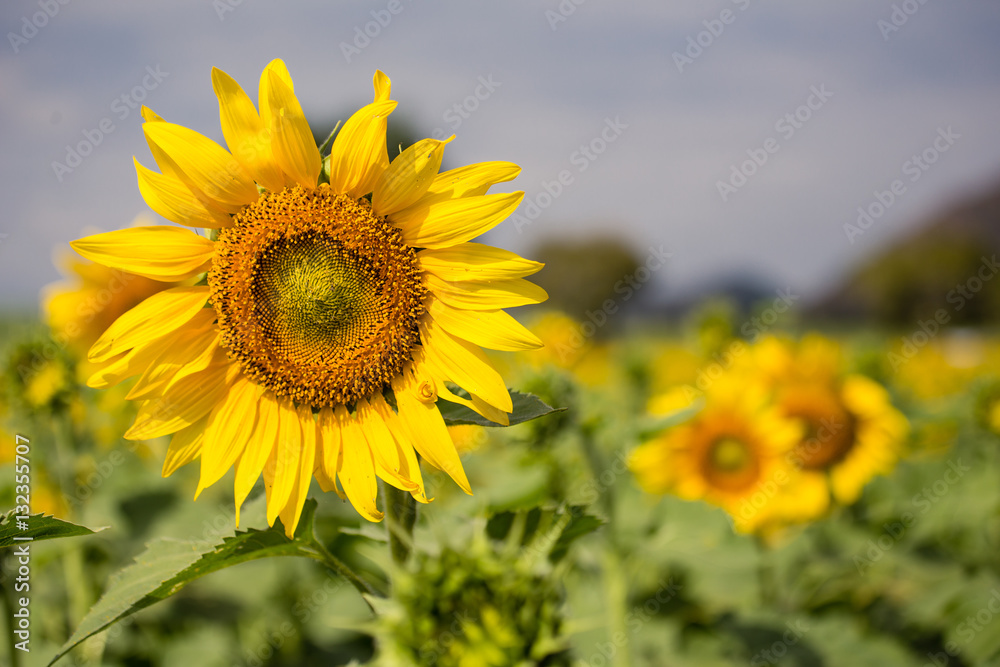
(738, 136)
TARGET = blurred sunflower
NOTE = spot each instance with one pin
(92, 296)
(732, 454)
(329, 322)
(851, 430)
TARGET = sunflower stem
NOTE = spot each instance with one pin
(318, 552)
(401, 516)
(765, 573)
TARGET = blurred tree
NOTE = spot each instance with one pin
(581, 275)
(949, 264)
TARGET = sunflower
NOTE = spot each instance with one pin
(851, 430)
(342, 296)
(732, 454)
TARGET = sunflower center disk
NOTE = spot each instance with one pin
(730, 464)
(317, 298)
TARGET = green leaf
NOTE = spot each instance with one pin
(168, 565)
(580, 524)
(549, 531)
(40, 527)
(526, 408)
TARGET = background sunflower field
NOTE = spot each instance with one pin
(770, 242)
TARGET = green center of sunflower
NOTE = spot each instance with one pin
(729, 455)
(730, 464)
(317, 298)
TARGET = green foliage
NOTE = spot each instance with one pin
(168, 565)
(526, 408)
(40, 527)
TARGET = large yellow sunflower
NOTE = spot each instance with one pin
(343, 296)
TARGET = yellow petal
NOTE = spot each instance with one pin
(204, 166)
(427, 432)
(162, 253)
(328, 451)
(258, 449)
(378, 437)
(291, 139)
(230, 427)
(276, 66)
(139, 358)
(285, 457)
(358, 155)
(382, 85)
(174, 201)
(485, 296)
(189, 353)
(161, 313)
(475, 261)
(248, 139)
(409, 466)
(185, 446)
(454, 221)
(149, 115)
(408, 176)
(292, 511)
(493, 329)
(464, 364)
(476, 404)
(357, 472)
(184, 403)
(469, 181)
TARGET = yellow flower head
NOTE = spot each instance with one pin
(734, 454)
(851, 431)
(342, 296)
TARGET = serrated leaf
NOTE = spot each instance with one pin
(40, 527)
(168, 565)
(526, 408)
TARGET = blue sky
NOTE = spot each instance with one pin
(673, 129)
